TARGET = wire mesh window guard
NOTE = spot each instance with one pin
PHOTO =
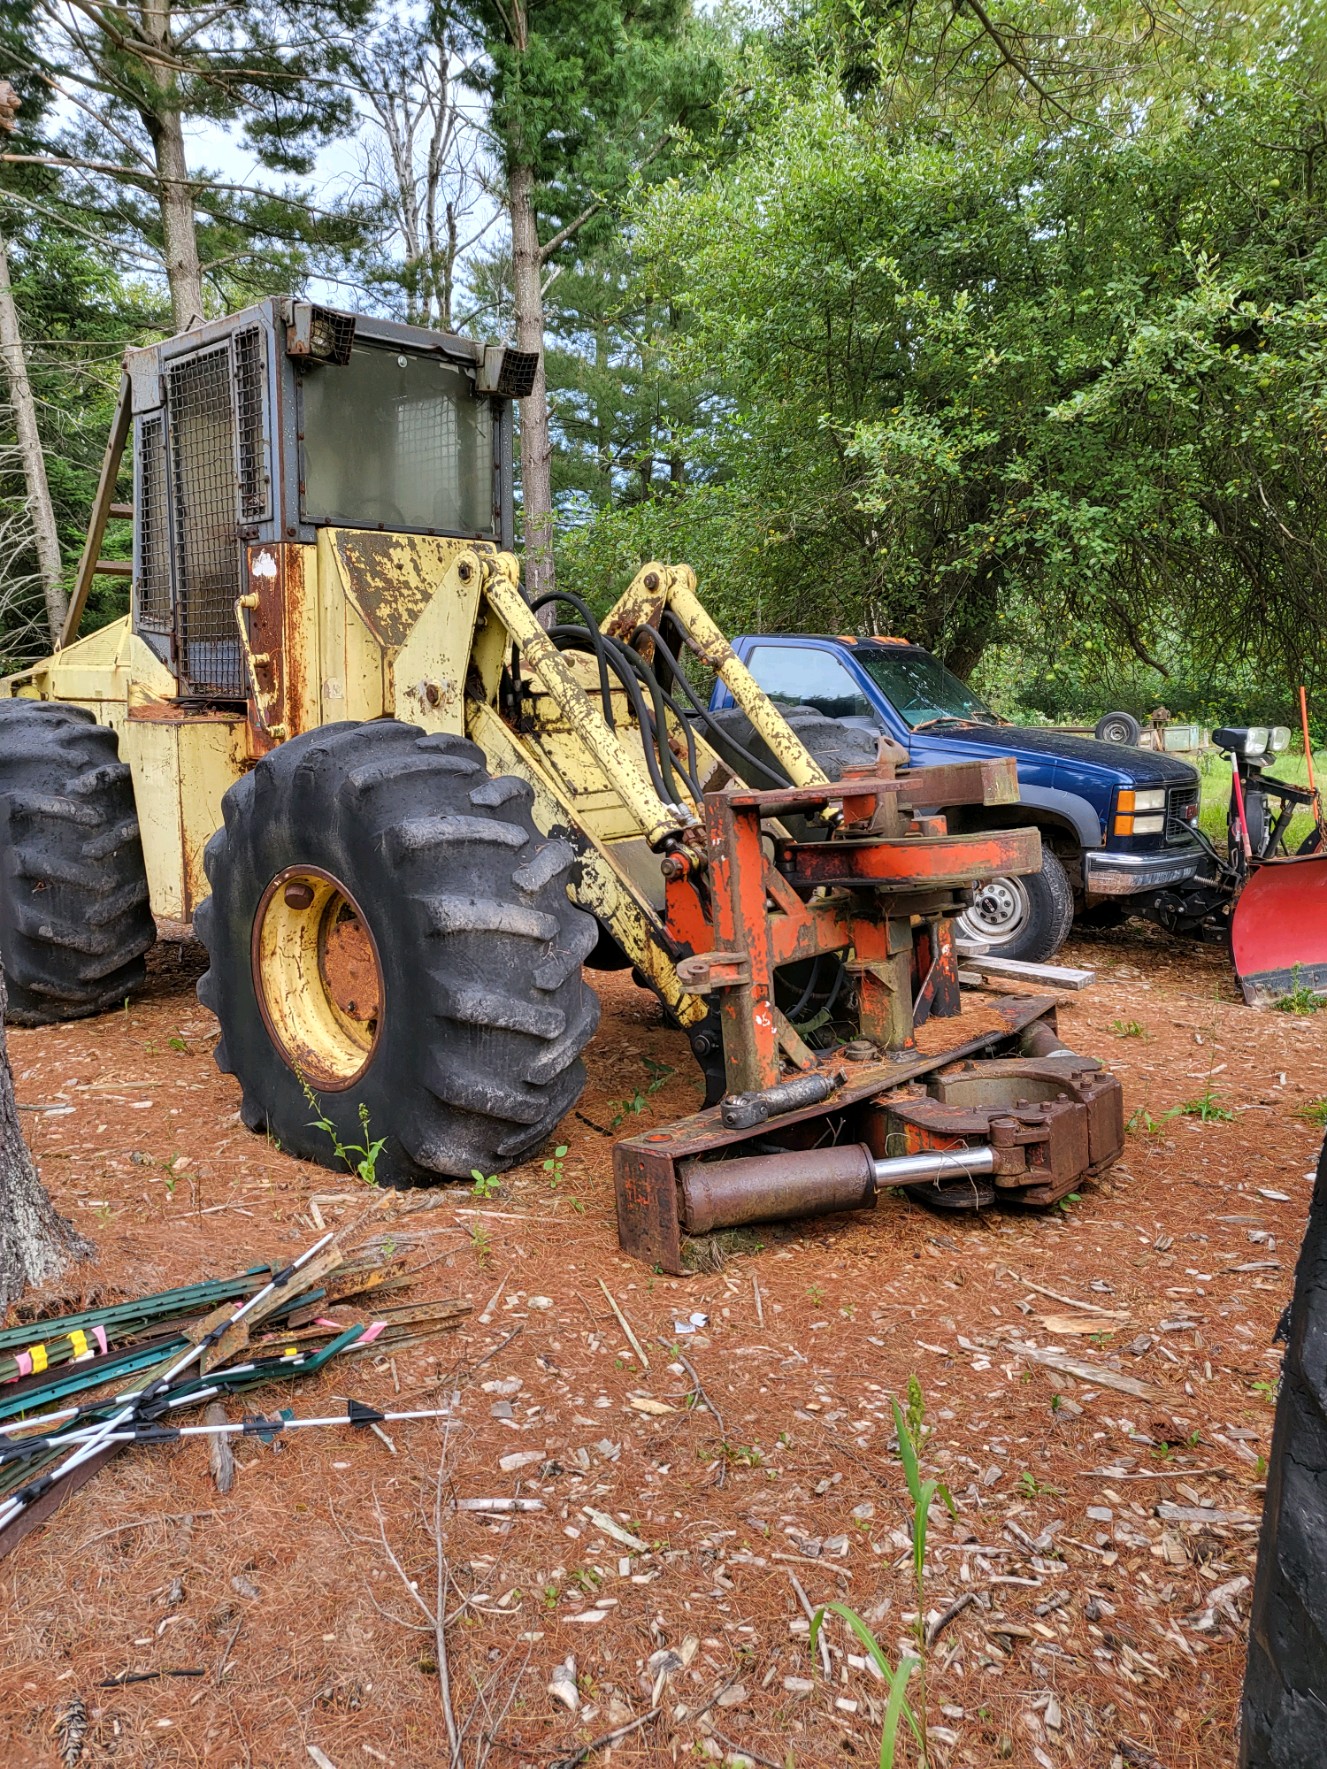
(250, 406)
(200, 400)
(153, 587)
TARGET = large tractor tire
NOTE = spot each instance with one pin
(74, 916)
(1285, 1688)
(389, 934)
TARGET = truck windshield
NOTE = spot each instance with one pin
(921, 690)
(397, 440)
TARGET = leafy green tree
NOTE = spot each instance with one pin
(997, 362)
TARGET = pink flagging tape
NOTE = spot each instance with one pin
(371, 1332)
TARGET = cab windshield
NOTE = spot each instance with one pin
(397, 440)
(921, 690)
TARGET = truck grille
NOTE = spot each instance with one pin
(1181, 813)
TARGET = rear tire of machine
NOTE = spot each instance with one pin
(1284, 1713)
(74, 917)
(482, 1008)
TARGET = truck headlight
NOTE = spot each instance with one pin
(1128, 806)
(1279, 739)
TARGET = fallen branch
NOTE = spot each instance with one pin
(810, 1614)
(625, 1325)
(946, 1616)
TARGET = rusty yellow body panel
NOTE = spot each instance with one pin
(603, 887)
(182, 768)
(106, 672)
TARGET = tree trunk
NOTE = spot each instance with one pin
(36, 1242)
(34, 460)
(536, 447)
(165, 126)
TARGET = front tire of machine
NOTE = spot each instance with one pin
(1024, 918)
(1284, 1721)
(387, 927)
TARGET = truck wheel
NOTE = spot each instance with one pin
(1027, 918)
(389, 934)
(1118, 728)
(1285, 1686)
(74, 916)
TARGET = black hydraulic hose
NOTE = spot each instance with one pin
(775, 781)
(655, 725)
(808, 992)
(661, 703)
(691, 772)
(593, 634)
(622, 670)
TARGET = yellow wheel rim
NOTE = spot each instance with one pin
(318, 976)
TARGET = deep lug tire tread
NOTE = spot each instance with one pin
(75, 925)
(1285, 1687)
(487, 1011)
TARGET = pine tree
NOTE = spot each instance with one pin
(585, 97)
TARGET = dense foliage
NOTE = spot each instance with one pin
(1006, 332)
(1012, 376)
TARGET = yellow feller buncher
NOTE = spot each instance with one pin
(401, 815)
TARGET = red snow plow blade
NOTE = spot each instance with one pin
(1278, 933)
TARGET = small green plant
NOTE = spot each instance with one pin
(1268, 1389)
(747, 1455)
(587, 1578)
(486, 1185)
(1142, 1123)
(1301, 999)
(1129, 1029)
(360, 1159)
(551, 1593)
(1068, 1199)
(1206, 1106)
(1032, 1488)
(815, 1295)
(171, 1182)
(481, 1247)
(553, 1166)
(1315, 1113)
(178, 1043)
(897, 1706)
(911, 1429)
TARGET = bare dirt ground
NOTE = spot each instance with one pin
(1105, 1538)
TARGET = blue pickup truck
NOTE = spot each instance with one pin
(1116, 823)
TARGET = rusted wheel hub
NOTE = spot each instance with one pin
(317, 976)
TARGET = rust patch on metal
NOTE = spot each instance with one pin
(392, 577)
(350, 967)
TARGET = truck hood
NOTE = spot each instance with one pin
(1116, 761)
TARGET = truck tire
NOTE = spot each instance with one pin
(1118, 728)
(74, 918)
(1285, 1686)
(1025, 918)
(834, 745)
(391, 941)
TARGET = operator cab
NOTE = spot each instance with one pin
(287, 418)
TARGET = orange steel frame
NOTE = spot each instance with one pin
(884, 896)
